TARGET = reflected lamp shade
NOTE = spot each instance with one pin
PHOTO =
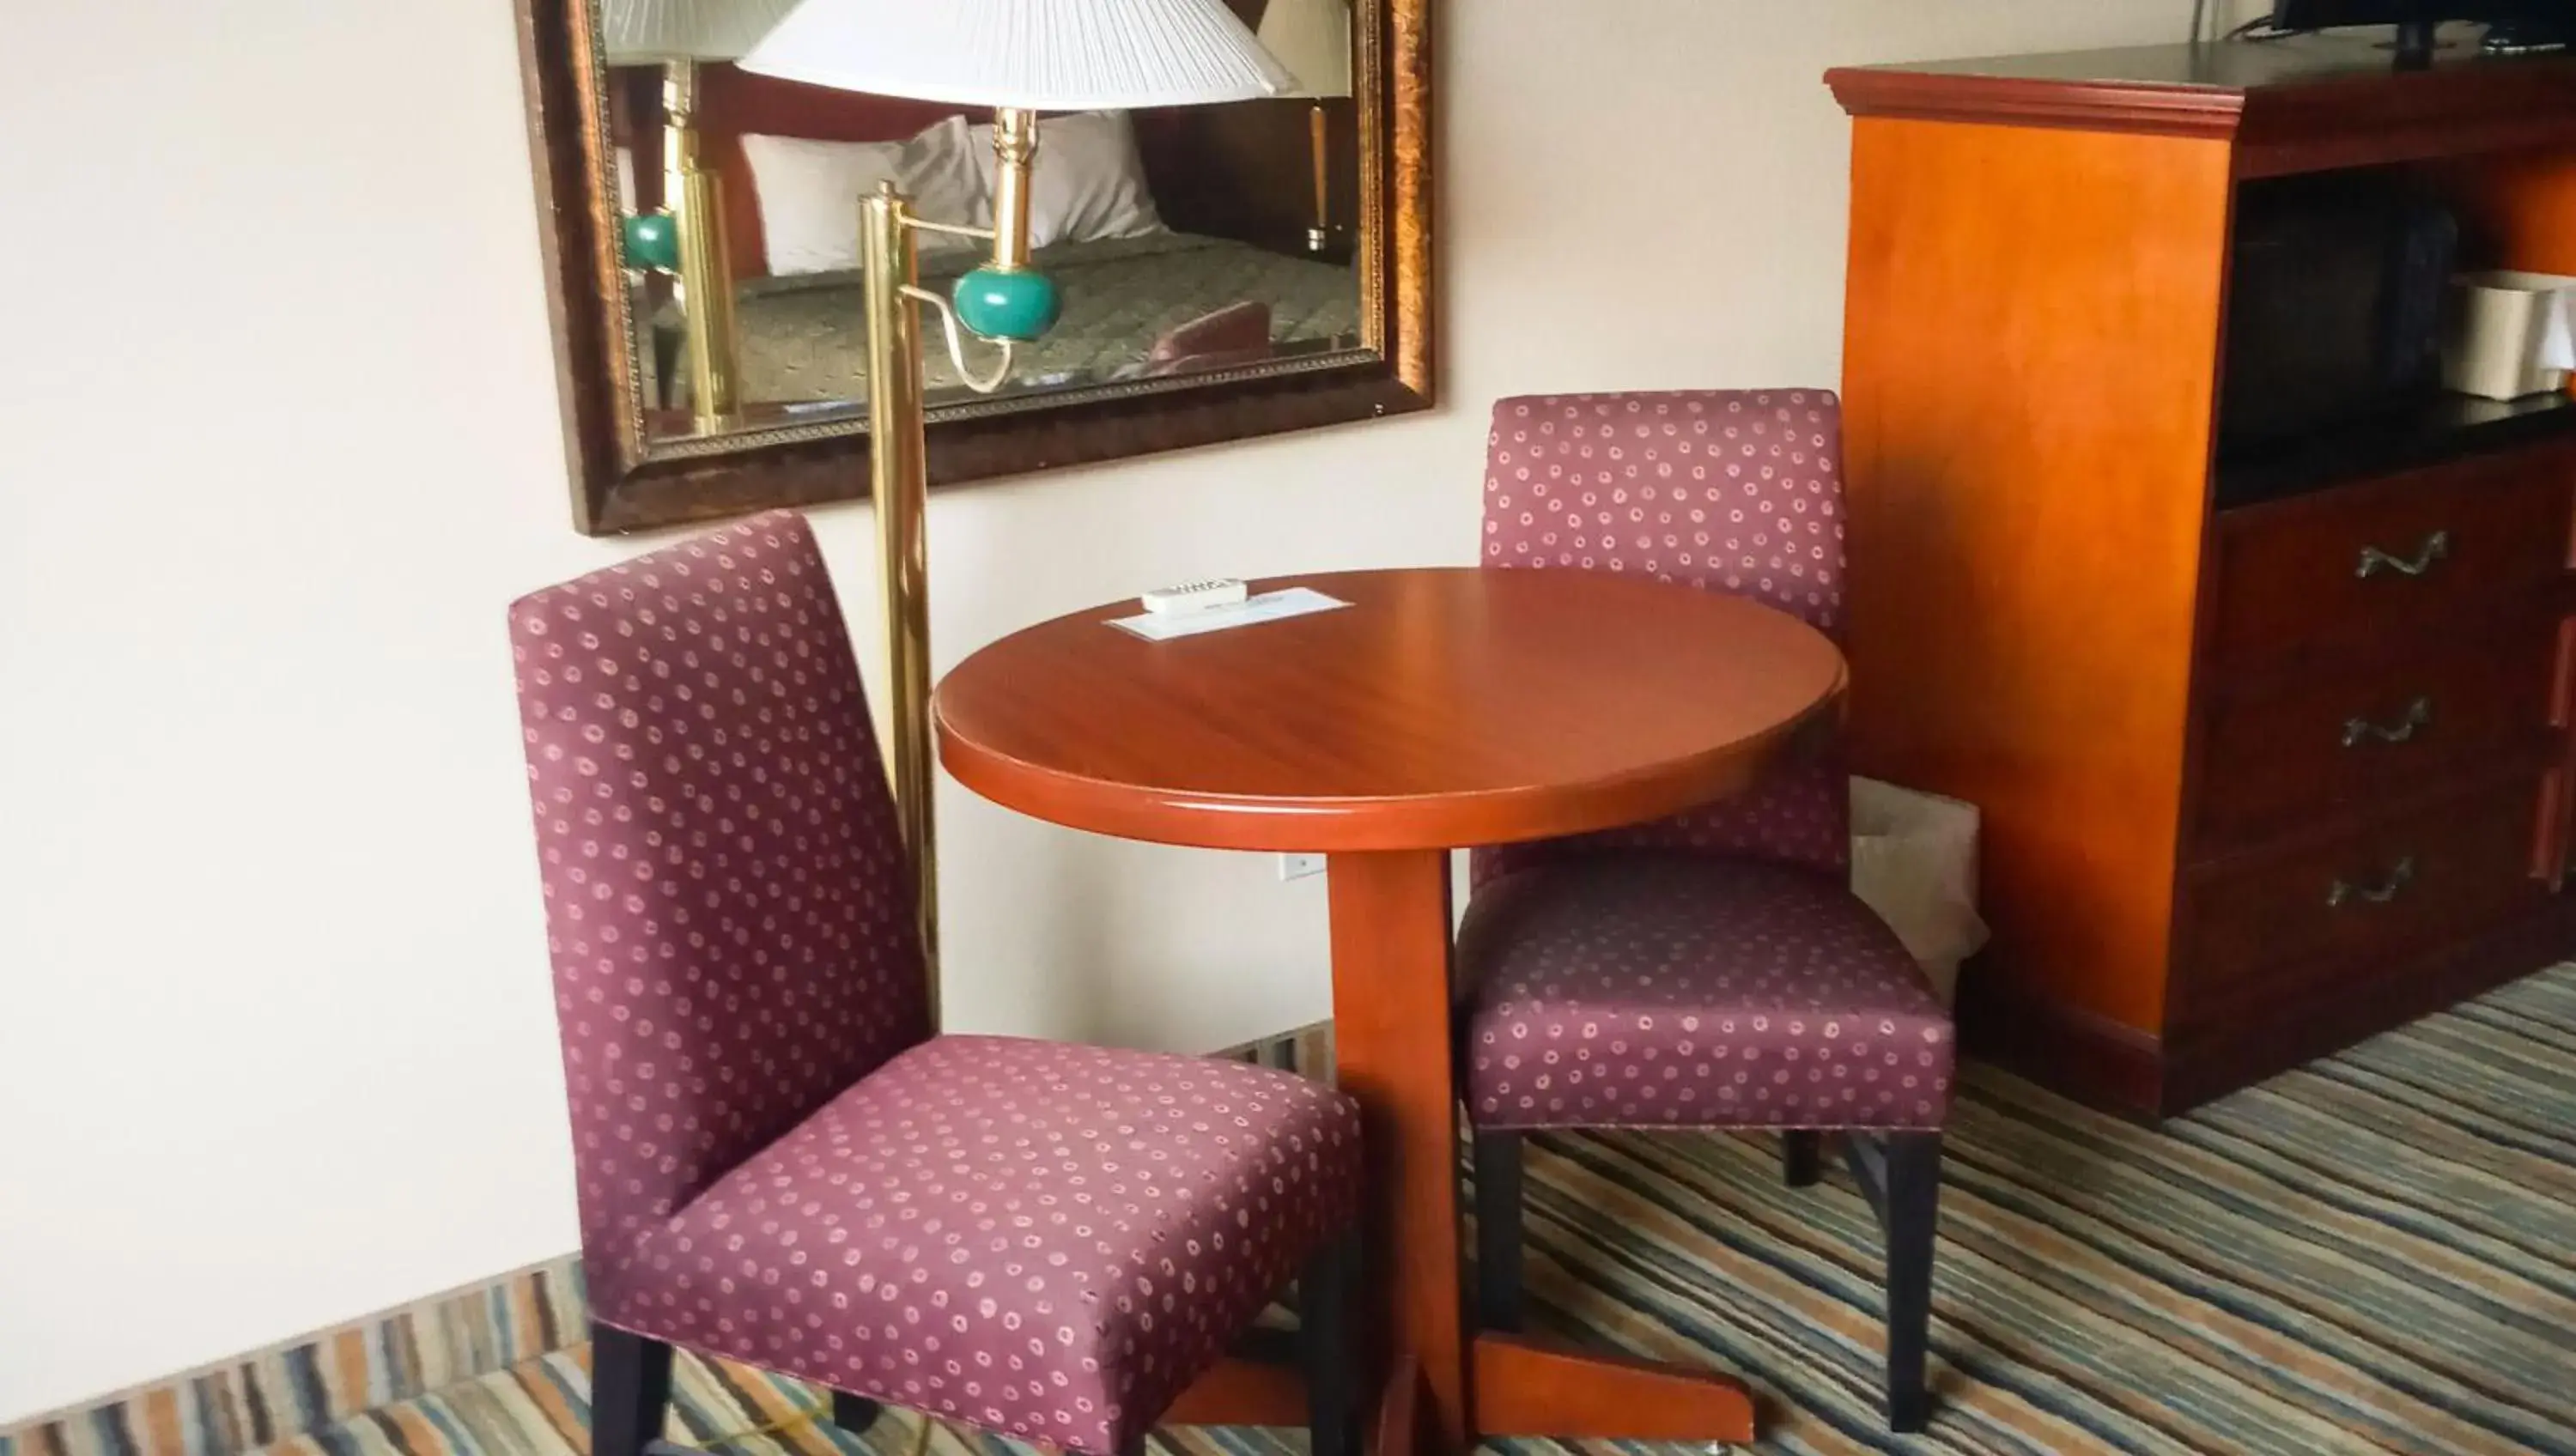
(1040, 55)
(635, 32)
(1312, 38)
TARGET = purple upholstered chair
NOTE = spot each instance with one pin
(778, 1161)
(1712, 970)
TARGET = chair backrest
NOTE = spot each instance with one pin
(727, 899)
(1735, 491)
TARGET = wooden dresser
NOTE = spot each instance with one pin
(2273, 747)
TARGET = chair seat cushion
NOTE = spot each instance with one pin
(1049, 1241)
(1676, 991)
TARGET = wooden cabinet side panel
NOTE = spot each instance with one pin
(2029, 371)
(2518, 210)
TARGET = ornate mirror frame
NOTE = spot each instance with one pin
(621, 481)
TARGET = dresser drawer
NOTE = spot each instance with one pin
(2283, 748)
(2369, 563)
(2394, 887)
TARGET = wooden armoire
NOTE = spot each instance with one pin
(2272, 744)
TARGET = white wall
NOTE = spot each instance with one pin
(279, 441)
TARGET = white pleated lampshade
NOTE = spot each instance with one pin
(1312, 38)
(1044, 55)
(637, 31)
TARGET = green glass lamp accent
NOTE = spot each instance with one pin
(653, 241)
(1019, 304)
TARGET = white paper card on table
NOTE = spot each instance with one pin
(1295, 601)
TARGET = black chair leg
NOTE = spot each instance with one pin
(630, 1386)
(1498, 1230)
(1327, 1345)
(854, 1413)
(1912, 1218)
(1802, 1156)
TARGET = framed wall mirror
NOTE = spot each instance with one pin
(1226, 271)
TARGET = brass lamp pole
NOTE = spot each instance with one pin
(898, 484)
(1004, 301)
(695, 197)
(1017, 58)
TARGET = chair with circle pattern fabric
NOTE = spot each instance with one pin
(777, 1159)
(1711, 970)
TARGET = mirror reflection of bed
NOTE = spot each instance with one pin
(1182, 240)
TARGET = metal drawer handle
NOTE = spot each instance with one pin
(2418, 716)
(2374, 561)
(2345, 892)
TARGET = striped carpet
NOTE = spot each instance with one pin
(2377, 1253)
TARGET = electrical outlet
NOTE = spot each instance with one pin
(1299, 866)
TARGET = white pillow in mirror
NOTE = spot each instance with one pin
(1089, 182)
(809, 192)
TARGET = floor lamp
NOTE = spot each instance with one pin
(1018, 57)
(1312, 38)
(678, 35)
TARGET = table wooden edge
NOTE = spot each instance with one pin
(1429, 821)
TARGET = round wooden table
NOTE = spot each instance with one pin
(1442, 708)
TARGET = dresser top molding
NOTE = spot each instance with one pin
(2290, 105)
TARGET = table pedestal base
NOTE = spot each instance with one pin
(1243, 1392)
(1518, 1387)
(1441, 1382)
(1526, 1387)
